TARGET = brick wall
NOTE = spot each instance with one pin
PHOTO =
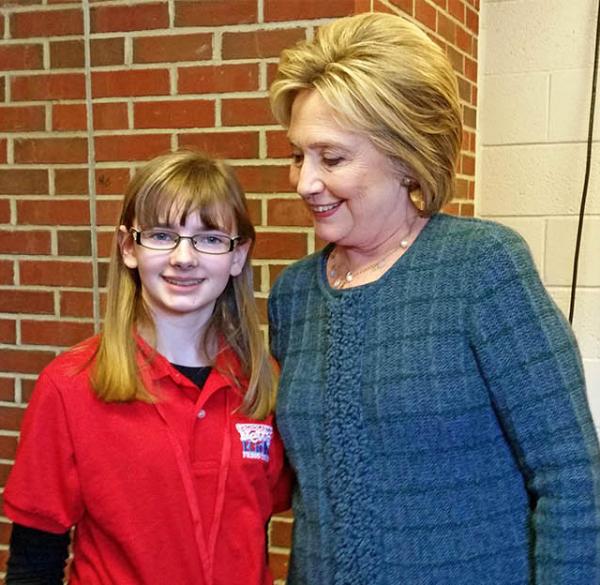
(90, 89)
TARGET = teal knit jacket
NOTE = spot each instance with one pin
(437, 420)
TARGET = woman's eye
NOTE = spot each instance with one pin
(209, 239)
(332, 161)
(297, 158)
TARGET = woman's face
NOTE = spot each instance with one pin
(353, 192)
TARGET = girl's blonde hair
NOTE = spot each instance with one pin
(386, 79)
(166, 190)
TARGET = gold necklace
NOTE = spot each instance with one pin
(340, 281)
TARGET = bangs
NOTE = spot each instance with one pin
(169, 200)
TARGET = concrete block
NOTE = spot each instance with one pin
(537, 35)
(535, 180)
(592, 379)
(570, 95)
(560, 251)
(515, 108)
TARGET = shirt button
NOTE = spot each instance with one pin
(201, 413)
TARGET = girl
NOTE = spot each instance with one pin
(155, 439)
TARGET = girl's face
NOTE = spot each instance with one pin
(352, 190)
(182, 282)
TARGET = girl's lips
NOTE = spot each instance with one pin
(325, 210)
(185, 282)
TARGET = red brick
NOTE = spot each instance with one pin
(472, 20)
(2, 89)
(136, 82)
(26, 301)
(8, 331)
(109, 51)
(110, 116)
(23, 181)
(246, 111)
(467, 209)
(223, 144)
(27, 387)
(457, 9)
(55, 273)
(464, 40)
(71, 181)
(128, 18)
(446, 28)
(467, 165)
(259, 44)
(67, 54)
(174, 114)
(74, 242)
(20, 360)
(69, 117)
(11, 417)
(4, 210)
(172, 48)
(264, 179)
(255, 211)
(7, 275)
(278, 563)
(104, 243)
(278, 245)
(51, 150)
(214, 12)
(7, 389)
(14, 57)
(288, 212)
(280, 533)
(108, 212)
(471, 69)
(425, 13)
(278, 145)
(218, 78)
(131, 147)
(8, 447)
(278, 10)
(53, 212)
(49, 23)
(111, 181)
(25, 242)
(3, 150)
(48, 87)
(22, 118)
(107, 116)
(76, 304)
(60, 333)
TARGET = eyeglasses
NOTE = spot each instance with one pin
(166, 240)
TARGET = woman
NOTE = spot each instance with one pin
(155, 440)
(432, 400)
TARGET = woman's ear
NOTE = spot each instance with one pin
(127, 247)
(240, 253)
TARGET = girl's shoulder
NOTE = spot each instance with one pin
(74, 362)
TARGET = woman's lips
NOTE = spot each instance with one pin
(325, 210)
(184, 282)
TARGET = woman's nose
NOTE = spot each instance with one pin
(305, 178)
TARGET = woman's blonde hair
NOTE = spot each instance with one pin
(386, 79)
(166, 190)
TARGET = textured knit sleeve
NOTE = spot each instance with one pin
(43, 489)
(529, 360)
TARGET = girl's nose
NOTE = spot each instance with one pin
(184, 253)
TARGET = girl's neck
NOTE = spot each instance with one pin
(179, 341)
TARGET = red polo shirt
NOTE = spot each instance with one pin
(179, 491)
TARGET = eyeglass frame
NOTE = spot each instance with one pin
(137, 238)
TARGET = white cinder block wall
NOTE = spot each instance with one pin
(535, 80)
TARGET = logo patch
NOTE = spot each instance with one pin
(256, 440)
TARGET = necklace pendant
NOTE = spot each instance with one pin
(338, 283)
(349, 276)
(404, 244)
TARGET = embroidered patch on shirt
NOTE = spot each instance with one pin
(256, 440)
